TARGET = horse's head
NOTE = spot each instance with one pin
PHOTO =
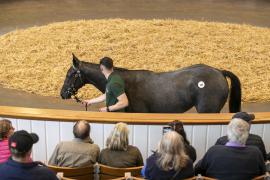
(74, 79)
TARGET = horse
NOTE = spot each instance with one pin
(198, 85)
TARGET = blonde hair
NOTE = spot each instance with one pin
(238, 131)
(171, 152)
(118, 139)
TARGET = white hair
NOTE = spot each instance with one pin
(238, 131)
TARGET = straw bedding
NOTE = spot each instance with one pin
(37, 59)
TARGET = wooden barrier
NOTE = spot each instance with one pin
(54, 126)
(130, 118)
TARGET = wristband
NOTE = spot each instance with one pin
(108, 110)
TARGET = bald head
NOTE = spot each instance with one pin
(81, 130)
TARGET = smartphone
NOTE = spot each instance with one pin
(166, 129)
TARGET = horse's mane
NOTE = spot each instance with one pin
(120, 69)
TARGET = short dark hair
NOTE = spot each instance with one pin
(81, 132)
(107, 62)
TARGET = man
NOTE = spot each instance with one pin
(253, 139)
(77, 153)
(115, 96)
(20, 165)
(234, 160)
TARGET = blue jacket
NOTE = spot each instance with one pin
(25, 171)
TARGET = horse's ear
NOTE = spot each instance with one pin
(76, 61)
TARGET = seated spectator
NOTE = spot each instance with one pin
(6, 130)
(253, 139)
(118, 152)
(268, 156)
(20, 165)
(234, 160)
(189, 150)
(77, 153)
(170, 161)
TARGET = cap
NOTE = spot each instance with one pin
(245, 116)
(22, 141)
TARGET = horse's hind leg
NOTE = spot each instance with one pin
(209, 106)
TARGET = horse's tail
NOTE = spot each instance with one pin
(235, 92)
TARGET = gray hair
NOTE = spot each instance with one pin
(238, 131)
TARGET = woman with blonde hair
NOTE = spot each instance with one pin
(118, 152)
(170, 161)
(6, 130)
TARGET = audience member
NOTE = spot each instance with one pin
(170, 161)
(79, 152)
(6, 130)
(234, 160)
(253, 139)
(118, 152)
(189, 150)
(20, 165)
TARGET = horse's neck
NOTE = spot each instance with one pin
(94, 76)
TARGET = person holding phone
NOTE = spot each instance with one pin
(115, 96)
(189, 149)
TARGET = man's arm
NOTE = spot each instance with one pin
(122, 103)
(99, 99)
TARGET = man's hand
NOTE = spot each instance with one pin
(103, 109)
(86, 102)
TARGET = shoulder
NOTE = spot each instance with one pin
(104, 151)
(116, 78)
(254, 137)
(44, 170)
(253, 149)
(133, 148)
(152, 158)
(222, 140)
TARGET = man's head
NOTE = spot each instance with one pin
(21, 143)
(81, 130)
(106, 65)
(238, 131)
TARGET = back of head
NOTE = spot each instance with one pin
(21, 142)
(81, 130)
(118, 139)
(107, 63)
(238, 131)
(5, 127)
(179, 128)
(171, 152)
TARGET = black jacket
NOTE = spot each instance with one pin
(231, 163)
(253, 140)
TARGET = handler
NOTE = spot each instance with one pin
(115, 96)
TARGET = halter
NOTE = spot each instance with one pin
(72, 90)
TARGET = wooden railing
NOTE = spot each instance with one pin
(130, 118)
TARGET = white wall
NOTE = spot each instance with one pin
(145, 137)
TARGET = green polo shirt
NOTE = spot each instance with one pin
(115, 87)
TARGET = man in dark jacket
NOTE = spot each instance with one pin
(253, 139)
(234, 160)
(20, 165)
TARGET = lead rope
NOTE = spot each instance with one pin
(80, 101)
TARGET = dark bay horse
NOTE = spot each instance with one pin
(199, 85)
